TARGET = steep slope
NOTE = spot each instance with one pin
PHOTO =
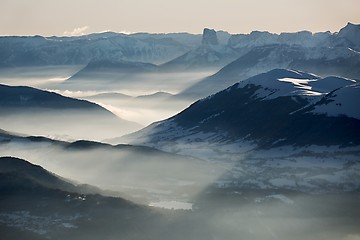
(339, 61)
(36, 112)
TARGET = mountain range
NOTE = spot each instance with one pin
(323, 61)
(241, 57)
(213, 48)
(44, 51)
(270, 141)
(320, 46)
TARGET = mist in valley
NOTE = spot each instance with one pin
(141, 98)
(205, 209)
(40, 77)
(68, 125)
(109, 167)
(186, 196)
(142, 174)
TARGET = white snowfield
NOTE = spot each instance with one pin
(344, 101)
(328, 84)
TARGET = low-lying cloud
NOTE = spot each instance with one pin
(79, 31)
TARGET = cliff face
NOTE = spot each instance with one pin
(351, 32)
(209, 37)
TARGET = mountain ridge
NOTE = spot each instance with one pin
(338, 61)
(154, 48)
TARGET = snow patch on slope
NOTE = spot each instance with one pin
(328, 84)
(281, 82)
(344, 101)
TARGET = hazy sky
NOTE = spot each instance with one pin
(75, 17)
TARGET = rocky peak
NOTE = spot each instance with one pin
(351, 32)
(209, 37)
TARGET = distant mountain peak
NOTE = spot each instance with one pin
(352, 24)
(351, 32)
(351, 27)
(209, 37)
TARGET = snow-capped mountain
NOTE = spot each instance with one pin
(178, 49)
(37, 112)
(338, 61)
(280, 95)
(282, 118)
